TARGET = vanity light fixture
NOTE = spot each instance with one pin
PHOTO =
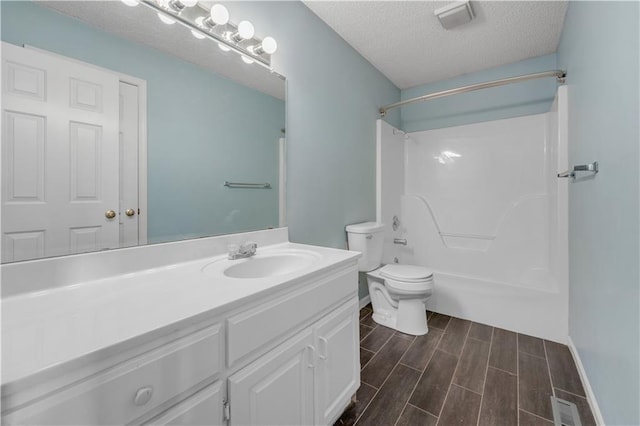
(245, 31)
(268, 45)
(179, 5)
(213, 23)
(218, 15)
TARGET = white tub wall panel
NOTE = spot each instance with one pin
(517, 268)
(552, 182)
(390, 182)
(518, 255)
(561, 258)
(473, 174)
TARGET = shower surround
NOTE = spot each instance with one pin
(482, 207)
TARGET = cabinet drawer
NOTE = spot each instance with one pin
(256, 327)
(131, 389)
(203, 408)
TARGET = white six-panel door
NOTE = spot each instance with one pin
(59, 156)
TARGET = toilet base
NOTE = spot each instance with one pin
(410, 317)
(406, 314)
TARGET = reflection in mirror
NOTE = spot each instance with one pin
(119, 130)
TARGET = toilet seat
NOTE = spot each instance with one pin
(406, 273)
(407, 279)
(408, 288)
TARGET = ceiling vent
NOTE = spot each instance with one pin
(455, 14)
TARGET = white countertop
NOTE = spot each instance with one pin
(51, 327)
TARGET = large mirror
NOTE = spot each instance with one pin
(120, 130)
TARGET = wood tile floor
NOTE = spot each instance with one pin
(460, 373)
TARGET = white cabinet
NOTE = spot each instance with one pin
(203, 408)
(129, 390)
(277, 389)
(288, 359)
(338, 362)
(307, 380)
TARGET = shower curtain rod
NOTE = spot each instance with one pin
(558, 74)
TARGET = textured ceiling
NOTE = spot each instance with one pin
(404, 40)
(141, 25)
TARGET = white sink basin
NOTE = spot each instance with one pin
(263, 265)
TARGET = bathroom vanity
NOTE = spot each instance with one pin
(272, 339)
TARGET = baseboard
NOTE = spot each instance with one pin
(365, 301)
(591, 398)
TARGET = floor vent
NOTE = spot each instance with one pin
(565, 413)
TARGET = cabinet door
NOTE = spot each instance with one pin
(338, 362)
(277, 389)
(203, 408)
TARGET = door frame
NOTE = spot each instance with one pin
(142, 135)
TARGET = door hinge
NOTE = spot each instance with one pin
(226, 409)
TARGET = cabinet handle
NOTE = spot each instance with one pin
(143, 395)
(310, 352)
(326, 348)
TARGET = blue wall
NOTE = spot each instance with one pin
(600, 51)
(508, 101)
(332, 106)
(333, 96)
(187, 160)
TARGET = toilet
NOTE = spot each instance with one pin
(398, 292)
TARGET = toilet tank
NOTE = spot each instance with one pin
(366, 238)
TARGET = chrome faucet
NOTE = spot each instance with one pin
(247, 249)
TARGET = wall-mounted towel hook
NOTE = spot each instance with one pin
(591, 168)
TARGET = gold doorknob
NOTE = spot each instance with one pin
(130, 212)
(110, 214)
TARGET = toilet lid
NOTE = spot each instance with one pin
(405, 272)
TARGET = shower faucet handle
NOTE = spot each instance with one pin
(401, 241)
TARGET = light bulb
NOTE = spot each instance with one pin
(197, 34)
(219, 14)
(245, 30)
(223, 47)
(131, 3)
(164, 18)
(269, 45)
(200, 21)
(189, 3)
(246, 60)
